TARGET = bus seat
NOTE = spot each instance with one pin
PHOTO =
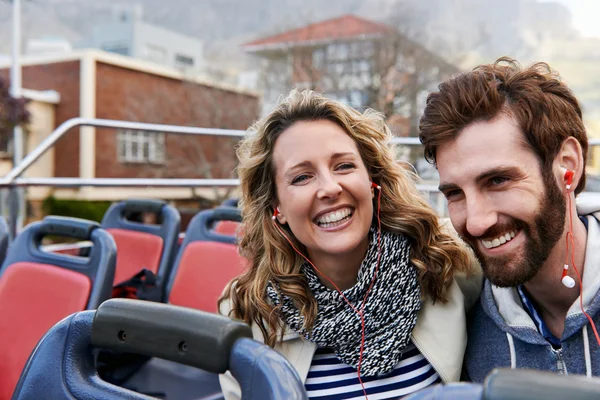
(62, 365)
(450, 391)
(228, 228)
(38, 289)
(231, 202)
(206, 262)
(516, 384)
(258, 368)
(150, 244)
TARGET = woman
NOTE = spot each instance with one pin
(351, 276)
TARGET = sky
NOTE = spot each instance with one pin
(585, 15)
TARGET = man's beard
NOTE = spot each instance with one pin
(541, 235)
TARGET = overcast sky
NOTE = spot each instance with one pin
(586, 15)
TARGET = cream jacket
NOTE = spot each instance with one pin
(440, 335)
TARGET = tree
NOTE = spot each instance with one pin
(13, 113)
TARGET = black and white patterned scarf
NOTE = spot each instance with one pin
(390, 312)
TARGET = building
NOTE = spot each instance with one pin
(130, 36)
(96, 84)
(361, 62)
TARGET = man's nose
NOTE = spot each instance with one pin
(481, 216)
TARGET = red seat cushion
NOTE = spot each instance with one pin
(135, 251)
(203, 272)
(227, 227)
(33, 298)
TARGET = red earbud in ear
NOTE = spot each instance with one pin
(566, 280)
(375, 186)
(275, 213)
(568, 177)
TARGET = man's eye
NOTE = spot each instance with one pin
(498, 180)
(452, 194)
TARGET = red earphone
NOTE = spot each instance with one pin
(565, 278)
(360, 312)
(275, 213)
(570, 244)
(568, 177)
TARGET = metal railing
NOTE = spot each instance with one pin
(13, 177)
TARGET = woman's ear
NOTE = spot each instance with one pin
(280, 217)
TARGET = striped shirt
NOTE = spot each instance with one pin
(331, 379)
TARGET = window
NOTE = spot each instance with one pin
(338, 51)
(6, 145)
(116, 47)
(140, 147)
(318, 58)
(155, 53)
(184, 61)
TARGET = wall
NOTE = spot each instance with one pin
(41, 125)
(130, 95)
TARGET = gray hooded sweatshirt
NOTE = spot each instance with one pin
(501, 334)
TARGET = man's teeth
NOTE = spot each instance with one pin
(334, 216)
(490, 244)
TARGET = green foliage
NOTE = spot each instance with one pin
(92, 210)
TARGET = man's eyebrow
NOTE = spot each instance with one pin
(501, 170)
(444, 187)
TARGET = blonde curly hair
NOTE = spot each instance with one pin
(435, 254)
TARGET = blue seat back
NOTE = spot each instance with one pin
(516, 384)
(62, 365)
(201, 226)
(143, 245)
(259, 369)
(38, 289)
(206, 262)
(231, 203)
(451, 391)
(99, 266)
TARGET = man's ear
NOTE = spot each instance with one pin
(570, 156)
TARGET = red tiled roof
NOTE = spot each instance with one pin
(344, 27)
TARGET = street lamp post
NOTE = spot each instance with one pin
(16, 199)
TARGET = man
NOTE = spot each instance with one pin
(511, 148)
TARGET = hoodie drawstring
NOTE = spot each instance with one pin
(513, 354)
(586, 349)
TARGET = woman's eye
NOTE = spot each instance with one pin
(299, 179)
(346, 166)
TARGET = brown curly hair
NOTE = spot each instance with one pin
(544, 107)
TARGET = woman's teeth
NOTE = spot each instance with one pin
(334, 218)
(507, 237)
